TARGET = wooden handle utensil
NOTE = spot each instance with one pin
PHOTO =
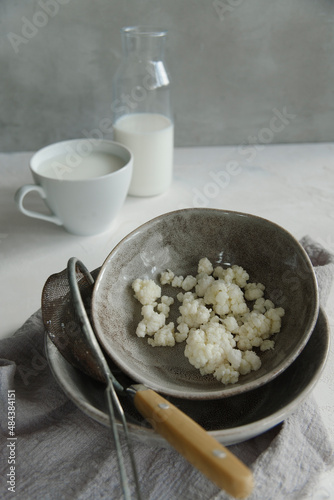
(194, 443)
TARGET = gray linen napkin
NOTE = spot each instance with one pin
(60, 453)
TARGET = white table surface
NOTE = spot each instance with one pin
(292, 185)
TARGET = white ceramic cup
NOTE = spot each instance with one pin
(84, 183)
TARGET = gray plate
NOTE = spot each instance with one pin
(230, 420)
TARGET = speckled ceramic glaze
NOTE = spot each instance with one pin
(177, 240)
(230, 420)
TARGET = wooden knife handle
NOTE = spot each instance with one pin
(194, 443)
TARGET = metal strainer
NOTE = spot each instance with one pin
(66, 316)
(65, 307)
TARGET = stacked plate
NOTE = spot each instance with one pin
(177, 240)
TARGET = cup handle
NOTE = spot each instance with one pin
(22, 192)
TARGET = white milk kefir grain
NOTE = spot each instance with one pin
(150, 138)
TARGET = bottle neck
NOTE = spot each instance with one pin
(143, 43)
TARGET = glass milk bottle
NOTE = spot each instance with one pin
(141, 105)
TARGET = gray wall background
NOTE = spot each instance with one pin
(235, 65)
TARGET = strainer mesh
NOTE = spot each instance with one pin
(61, 324)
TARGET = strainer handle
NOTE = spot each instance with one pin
(201, 449)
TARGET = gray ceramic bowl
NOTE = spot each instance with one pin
(177, 240)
